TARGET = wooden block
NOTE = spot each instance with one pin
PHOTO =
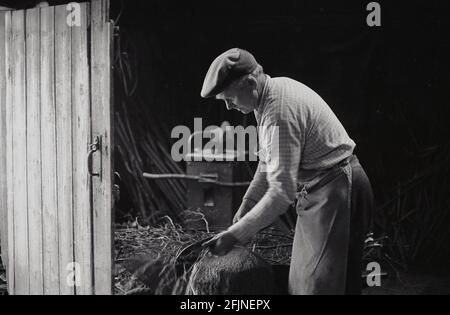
(215, 202)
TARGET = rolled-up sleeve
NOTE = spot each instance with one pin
(258, 187)
(275, 182)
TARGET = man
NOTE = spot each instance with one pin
(306, 155)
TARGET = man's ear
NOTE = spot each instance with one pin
(252, 82)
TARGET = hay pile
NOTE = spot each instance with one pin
(145, 256)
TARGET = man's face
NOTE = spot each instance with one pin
(239, 97)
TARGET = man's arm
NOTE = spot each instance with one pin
(255, 192)
(282, 139)
(259, 185)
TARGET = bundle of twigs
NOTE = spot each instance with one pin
(141, 146)
(142, 150)
(145, 256)
(416, 218)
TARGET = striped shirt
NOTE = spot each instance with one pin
(297, 131)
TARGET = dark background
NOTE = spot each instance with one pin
(388, 85)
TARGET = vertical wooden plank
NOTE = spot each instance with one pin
(63, 62)
(34, 150)
(49, 162)
(9, 154)
(3, 170)
(82, 136)
(22, 285)
(102, 126)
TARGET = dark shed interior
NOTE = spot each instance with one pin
(387, 85)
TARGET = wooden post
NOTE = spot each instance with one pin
(81, 139)
(34, 182)
(19, 158)
(3, 170)
(63, 84)
(102, 125)
(9, 155)
(48, 146)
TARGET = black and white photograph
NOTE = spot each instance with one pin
(224, 153)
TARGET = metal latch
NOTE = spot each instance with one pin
(93, 147)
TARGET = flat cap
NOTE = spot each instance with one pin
(228, 67)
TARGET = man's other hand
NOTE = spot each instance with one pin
(221, 244)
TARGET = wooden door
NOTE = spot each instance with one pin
(56, 149)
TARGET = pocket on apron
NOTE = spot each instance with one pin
(307, 189)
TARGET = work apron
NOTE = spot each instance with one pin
(322, 243)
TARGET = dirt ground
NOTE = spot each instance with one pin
(405, 283)
(410, 284)
(128, 242)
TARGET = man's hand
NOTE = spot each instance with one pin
(245, 207)
(221, 244)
